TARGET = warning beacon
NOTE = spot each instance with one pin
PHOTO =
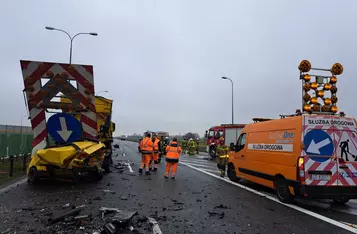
(319, 92)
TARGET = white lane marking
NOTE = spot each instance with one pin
(313, 214)
(349, 224)
(7, 188)
(130, 169)
(155, 226)
(197, 161)
(200, 165)
(212, 171)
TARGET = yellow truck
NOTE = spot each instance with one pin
(66, 138)
(105, 126)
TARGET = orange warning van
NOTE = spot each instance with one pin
(313, 156)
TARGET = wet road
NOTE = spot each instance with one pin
(197, 202)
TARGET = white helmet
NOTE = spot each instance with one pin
(191, 139)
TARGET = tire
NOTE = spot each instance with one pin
(231, 173)
(33, 177)
(212, 151)
(96, 176)
(341, 200)
(282, 190)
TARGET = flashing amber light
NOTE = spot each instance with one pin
(333, 89)
(64, 74)
(307, 87)
(316, 107)
(307, 97)
(320, 93)
(325, 108)
(305, 66)
(334, 99)
(307, 77)
(327, 86)
(333, 80)
(337, 69)
(307, 107)
(334, 109)
(49, 74)
(314, 85)
(314, 100)
(327, 101)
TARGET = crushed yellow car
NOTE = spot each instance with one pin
(78, 160)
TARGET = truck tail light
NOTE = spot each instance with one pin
(301, 169)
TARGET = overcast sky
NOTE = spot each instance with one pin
(162, 61)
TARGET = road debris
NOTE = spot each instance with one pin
(155, 226)
(221, 206)
(61, 217)
(123, 198)
(108, 191)
(116, 146)
(216, 214)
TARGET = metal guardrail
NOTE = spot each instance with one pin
(12, 159)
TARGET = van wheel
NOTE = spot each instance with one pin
(231, 173)
(212, 152)
(282, 191)
(341, 200)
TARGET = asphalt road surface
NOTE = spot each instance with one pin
(198, 201)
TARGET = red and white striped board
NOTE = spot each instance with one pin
(339, 129)
(59, 76)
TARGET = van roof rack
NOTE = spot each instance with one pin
(261, 119)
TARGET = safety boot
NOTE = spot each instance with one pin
(155, 169)
(147, 173)
(166, 177)
(173, 178)
(140, 171)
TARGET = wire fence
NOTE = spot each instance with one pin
(15, 140)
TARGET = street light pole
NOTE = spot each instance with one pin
(71, 39)
(226, 78)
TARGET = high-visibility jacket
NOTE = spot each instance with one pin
(173, 152)
(156, 146)
(146, 146)
(222, 151)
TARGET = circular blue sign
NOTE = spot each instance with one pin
(318, 143)
(64, 128)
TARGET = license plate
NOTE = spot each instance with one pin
(320, 177)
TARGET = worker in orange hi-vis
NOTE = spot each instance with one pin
(155, 153)
(146, 146)
(173, 151)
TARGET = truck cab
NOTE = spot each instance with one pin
(230, 133)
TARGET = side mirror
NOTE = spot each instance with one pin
(232, 147)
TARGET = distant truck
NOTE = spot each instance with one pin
(122, 138)
(230, 133)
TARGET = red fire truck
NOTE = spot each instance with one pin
(230, 132)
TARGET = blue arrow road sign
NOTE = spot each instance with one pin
(318, 143)
(64, 128)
